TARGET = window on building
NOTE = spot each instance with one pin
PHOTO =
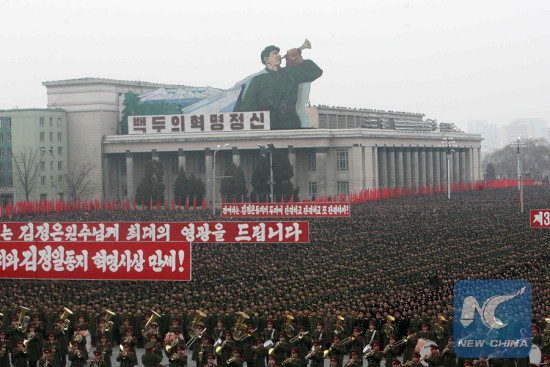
(10, 181)
(42, 165)
(59, 137)
(43, 196)
(51, 165)
(343, 187)
(124, 191)
(9, 166)
(59, 165)
(123, 168)
(312, 189)
(52, 182)
(51, 121)
(341, 159)
(51, 135)
(59, 179)
(59, 121)
(9, 152)
(1, 137)
(59, 151)
(61, 196)
(1, 152)
(43, 180)
(42, 136)
(313, 161)
(175, 168)
(8, 122)
(1, 167)
(41, 121)
(8, 137)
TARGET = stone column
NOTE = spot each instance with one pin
(408, 167)
(154, 155)
(181, 160)
(236, 155)
(415, 168)
(462, 157)
(292, 159)
(437, 167)
(391, 159)
(321, 159)
(208, 166)
(429, 167)
(383, 167)
(456, 167)
(130, 185)
(400, 169)
(356, 169)
(375, 173)
(422, 166)
(468, 166)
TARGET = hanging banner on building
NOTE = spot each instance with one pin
(227, 122)
(144, 233)
(540, 218)
(96, 260)
(288, 210)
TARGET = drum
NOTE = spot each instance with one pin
(367, 348)
(535, 356)
(268, 344)
(424, 348)
(218, 343)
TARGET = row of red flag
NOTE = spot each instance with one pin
(60, 206)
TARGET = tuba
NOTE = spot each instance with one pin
(152, 319)
(108, 323)
(24, 321)
(289, 329)
(440, 327)
(195, 324)
(546, 333)
(339, 327)
(65, 318)
(240, 330)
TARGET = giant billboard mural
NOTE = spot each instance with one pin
(278, 93)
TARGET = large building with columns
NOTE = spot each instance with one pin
(347, 150)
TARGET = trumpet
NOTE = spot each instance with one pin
(366, 355)
(287, 361)
(350, 362)
(299, 336)
(26, 341)
(310, 354)
(232, 359)
(305, 45)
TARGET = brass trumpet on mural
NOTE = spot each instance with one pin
(305, 45)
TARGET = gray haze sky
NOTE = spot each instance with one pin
(451, 60)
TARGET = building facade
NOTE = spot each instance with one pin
(347, 150)
(33, 154)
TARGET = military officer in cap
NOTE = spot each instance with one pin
(410, 345)
(98, 361)
(246, 344)
(55, 348)
(434, 359)
(34, 346)
(258, 354)
(391, 351)
(127, 358)
(236, 360)
(4, 350)
(210, 361)
(426, 333)
(150, 358)
(372, 335)
(357, 340)
(354, 360)
(282, 348)
(319, 334)
(269, 333)
(200, 350)
(272, 361)
(375, 355)
(179, 359)
(63, 338)
(448, 354)
(130, 338)
(228, 346)
(104, 345)
(158, 346)
(77, 356)
(48, 360)
(316, 355)
(337, 349)
(219, 331)
(19, 356)
(415, 361)
(294, 360)
(302, 342)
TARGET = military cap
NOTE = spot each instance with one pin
(272, 357)
(434, 347)
(211, 356)
(74, 343)
(294, 350)
(236, 350)
(416, 355)
(259, 341)
(376, 344)
(47, 350)
(334, 359)
(97, 353)
(337, 337)
(396, 362)
(354, 352)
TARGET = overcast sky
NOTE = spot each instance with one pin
(451, 60)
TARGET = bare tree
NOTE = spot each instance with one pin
(79, 183)
(26, 165)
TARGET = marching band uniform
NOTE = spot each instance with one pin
(105, 346)
(391, 351)
(228, 345)
(150, 358)
(34, 346)
(372, 335)
(97, 361)
(247, 343)
(301, 344)
(270, 333)
(425, 333)
(258, 354)
(435, 359)
(375, 355)
(354, 361)
(357, 340)
(281, 348)
(319, 334)
(210, 361)
(62, 348)
(19, 355)
(158, 346)
(77, 356)
(4, 350)
(127, 358)
(295, 360)
(410, 345)
(236, 360)
(179, 359)
(316, 358)
(449, 355)
(48, 360)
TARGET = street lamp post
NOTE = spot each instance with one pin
(218, 147)
(519, 144)
(263, 151)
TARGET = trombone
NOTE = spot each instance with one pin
(299, 336)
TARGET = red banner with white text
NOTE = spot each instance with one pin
(96, 260)
(540, 218)
(205, 232)
(286, 210)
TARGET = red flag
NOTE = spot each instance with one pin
(204, 207)
(187, 203)
(151, 203)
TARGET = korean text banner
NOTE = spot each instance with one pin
(287, 232)
(287, 210)
(227, 121)
(540, 218)
(96, 260)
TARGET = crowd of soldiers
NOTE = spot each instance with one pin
(363, 291)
